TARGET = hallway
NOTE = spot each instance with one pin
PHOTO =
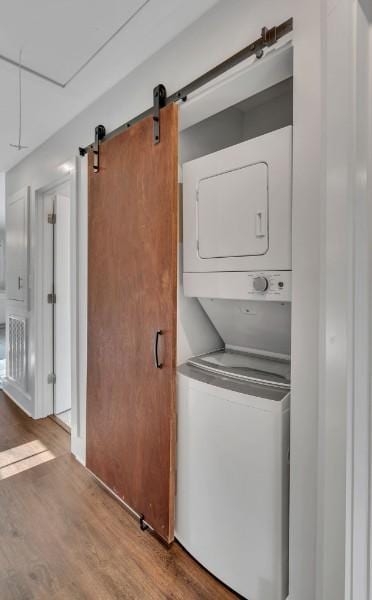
(63, 537)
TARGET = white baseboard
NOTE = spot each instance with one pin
(78, 448)
(16, 401)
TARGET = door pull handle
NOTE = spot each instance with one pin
(158, 365)
(260, 223)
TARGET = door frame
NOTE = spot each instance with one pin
(43, 390)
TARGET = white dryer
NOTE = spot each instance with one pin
(237, 207)
(233, 469)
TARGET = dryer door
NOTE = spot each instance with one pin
(232, 213)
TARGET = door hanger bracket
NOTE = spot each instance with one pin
(99, 134)
(160, 100)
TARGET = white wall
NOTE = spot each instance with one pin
(273, 114)
(2, 233)
(219, 131)
(222, 31)
(2, 201)
(2, 249)
(257, 116)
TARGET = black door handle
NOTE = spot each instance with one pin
(158, 365)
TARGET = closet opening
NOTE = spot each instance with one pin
(234, 330)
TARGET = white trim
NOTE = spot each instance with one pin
(13, 398)
(78, 430)
(358, 461)
(74, 198)
(43, 402)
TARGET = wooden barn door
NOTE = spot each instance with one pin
(132, 279)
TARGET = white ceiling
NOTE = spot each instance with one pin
(85, 46)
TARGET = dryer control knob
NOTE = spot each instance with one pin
(260, 284)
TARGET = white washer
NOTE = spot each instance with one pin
(233, 470)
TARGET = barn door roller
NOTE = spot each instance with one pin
(99, 134)
(160, 100)
(268, 37)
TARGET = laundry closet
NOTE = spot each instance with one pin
(189, 321)
(233, 389)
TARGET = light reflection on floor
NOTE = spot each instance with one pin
(21, 458)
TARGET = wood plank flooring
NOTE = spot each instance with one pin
(63, 537)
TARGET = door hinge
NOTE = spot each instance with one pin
(52, 378)
(52, 299)
(52, 218)
(160, 100)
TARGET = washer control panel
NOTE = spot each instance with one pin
(240, 285)
(270, 284)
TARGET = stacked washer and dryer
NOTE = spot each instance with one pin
(233, 403)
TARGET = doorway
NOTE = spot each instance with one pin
(59, 300)
(54, 284)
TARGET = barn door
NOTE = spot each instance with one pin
(132, 263)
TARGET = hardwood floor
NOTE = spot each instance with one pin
(63, 537)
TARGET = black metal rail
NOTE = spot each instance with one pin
(268, 38)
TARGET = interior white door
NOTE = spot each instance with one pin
(16, 245)
(62, 307)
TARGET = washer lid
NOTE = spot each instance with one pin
(246, 366)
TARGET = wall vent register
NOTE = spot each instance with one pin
(16, 366)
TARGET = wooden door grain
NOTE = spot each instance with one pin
(132, 278)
